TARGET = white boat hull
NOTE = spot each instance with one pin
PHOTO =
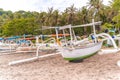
(8, 47)
(80, 53)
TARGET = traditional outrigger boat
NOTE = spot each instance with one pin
(26, 46)
(16, 44)
(8, 44)
(80, 49)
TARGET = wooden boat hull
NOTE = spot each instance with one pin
(80, 53)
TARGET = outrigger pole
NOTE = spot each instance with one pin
(31, 59)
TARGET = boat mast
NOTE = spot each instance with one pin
(74, 35)
(56, 29)
(94, 30)
(71, 37)
(93, 21)
(57, 37)
(64, 37)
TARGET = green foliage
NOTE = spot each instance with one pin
(117, 20)
(107, 26)
(116, 4)
(26, 22)
(20, 27)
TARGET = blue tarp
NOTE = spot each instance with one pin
(14, 37)
(1, 38)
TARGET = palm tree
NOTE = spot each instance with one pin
(64, 17)
(49, 17)
(84, 17)
(71, 14)
(55, 17)
(96, 7)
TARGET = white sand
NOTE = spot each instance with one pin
(98, 67)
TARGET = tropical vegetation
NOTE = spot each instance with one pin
(26, 22)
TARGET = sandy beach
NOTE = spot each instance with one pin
(97, 67)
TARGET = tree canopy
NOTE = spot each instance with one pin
(26, 22)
